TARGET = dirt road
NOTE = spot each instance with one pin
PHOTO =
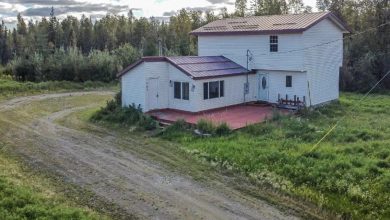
(103, 165)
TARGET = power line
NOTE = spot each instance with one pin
(342, 118)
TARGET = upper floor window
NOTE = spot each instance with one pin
(288, 81)
(214, 89)
(273, 43)
(181, 90)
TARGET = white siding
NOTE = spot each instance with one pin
(235, 48)
(133, 87)
(277, 85)
(233, 93)
(323, 62)
(180, 104)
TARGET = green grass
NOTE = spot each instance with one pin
(27, 196)
(349, 173)
(10, 88)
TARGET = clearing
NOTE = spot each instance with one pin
(48, 133)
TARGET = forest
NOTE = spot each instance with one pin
(80, 49)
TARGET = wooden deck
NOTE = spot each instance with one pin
(236, 117)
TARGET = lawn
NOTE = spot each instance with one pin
(26, 195)
(10, 88)
(349, 172)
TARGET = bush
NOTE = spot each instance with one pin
(113, 112)
(147, 123)
(205, 126)
(222, 129)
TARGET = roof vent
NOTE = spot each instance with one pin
(237, 22)
(215, 28)
(279, 24)
(236, 27)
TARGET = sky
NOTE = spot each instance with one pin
(35, 9)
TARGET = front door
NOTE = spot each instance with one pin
(263, 86)
(153, 93)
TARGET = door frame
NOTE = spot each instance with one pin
(259, 87)
(156, 105)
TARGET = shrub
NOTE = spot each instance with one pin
(113, 112)
(176, 130)
(147, 123)
(222, 129)
(205, 126)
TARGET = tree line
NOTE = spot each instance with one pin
(82, 49)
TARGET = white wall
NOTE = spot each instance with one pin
(133, 87)
(233, 93)
(277, 85)
(323, 62)
(235, 48)
(180, 104)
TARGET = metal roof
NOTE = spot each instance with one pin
(197, 67)
(207, 66)
(289, 23)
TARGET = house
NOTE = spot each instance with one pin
(264, 58)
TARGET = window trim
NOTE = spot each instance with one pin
(206, 89)
(273, 43)
(181, 90)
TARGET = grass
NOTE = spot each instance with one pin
(348, 174)
(10, 88)
(24, 195)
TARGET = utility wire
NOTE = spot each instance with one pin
(342, 118)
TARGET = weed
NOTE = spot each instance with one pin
(222, 129)
(205, 126)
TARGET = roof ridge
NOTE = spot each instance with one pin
(224, 61)
(239, 67)
(256, 16)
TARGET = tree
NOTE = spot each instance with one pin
(240, 6)
(21, 25)
(51, 35)
(86, 35)
(296, 6)
(224, 13)
(269, 7)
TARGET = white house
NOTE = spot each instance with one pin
(242, 60)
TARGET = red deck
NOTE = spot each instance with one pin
(235, 116)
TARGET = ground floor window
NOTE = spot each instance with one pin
(181, 90)
(213, 89)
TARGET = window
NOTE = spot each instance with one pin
(288, 81)
(205, 90)
(213, 90)
(177, 90)
(221, 88)
(273, 43)
(186, 90)
(181, 90)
